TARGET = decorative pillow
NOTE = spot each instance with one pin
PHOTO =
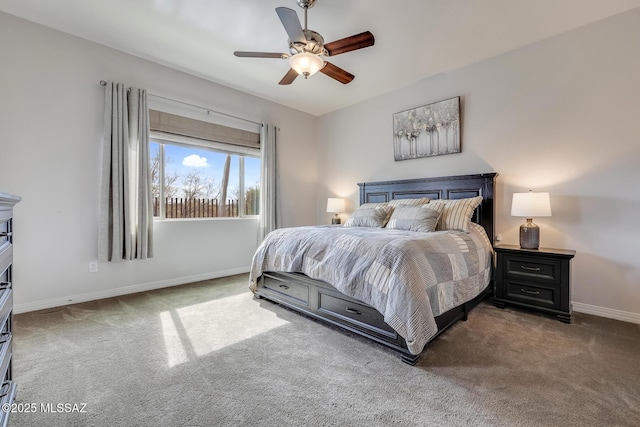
(373, 205)
(456, 214)
(414, 218)
(370, 215)
(377, 205)
(410, 202)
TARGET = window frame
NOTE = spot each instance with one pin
(162, 138)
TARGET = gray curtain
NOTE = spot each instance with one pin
(268, 181)
(126, 212)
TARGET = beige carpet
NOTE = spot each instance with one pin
(208, 354)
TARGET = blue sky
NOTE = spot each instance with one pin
(183, 160)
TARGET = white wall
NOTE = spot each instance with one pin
(561, 116)
(51, 113)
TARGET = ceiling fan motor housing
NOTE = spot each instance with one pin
(306, 4)
(315, 44)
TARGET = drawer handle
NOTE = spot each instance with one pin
(5, 285)
(5, 337)
(6, 234)
(526, 291)
(353, 310)
(284, 286)
(4, 388)
(524, 267)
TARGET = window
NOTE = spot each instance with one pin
(193, 178)
(201, 169)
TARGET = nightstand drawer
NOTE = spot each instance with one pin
(526, 268)
(542, 296)
(285, 288)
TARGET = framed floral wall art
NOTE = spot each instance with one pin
(430, 130)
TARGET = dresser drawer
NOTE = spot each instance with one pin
(361, 316)
(7, 396)
(5, 226)
(6, 258)
(6, 305)
(529, 268)
(5, 280)
(7, 391)
(5, 354)
(534, 294)
(283, 287)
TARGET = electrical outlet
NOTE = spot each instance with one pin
(498, 237)
(93, 266)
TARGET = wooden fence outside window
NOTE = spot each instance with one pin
(178, 207)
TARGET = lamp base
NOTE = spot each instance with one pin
(335, 220)
(529, 235)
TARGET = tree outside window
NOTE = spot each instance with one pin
(203, 183)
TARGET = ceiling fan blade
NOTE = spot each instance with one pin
(261, 55)
(289, 77)
(291, 23)
(337, 73)
(348, 44)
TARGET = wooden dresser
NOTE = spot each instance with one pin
(8, 387)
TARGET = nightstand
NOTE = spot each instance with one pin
(537, 279)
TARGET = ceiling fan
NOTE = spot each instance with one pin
(306, 48)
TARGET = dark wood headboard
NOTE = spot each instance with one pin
(447, 187)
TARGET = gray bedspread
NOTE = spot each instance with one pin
(410, 277)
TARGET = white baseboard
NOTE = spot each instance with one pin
(610, 313)
(142, 287)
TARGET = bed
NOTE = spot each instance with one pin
(396, 287)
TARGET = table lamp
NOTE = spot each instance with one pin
(335, 206)
(529, 205)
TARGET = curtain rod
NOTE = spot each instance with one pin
(208, 110)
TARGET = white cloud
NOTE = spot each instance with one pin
(195, 161)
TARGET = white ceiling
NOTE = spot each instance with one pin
(415, 39)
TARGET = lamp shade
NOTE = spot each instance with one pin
(530, 205)
(305, 63)
(335, 205)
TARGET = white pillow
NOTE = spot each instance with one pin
(370, 215)
(414, 218)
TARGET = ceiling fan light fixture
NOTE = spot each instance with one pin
(306, 64)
